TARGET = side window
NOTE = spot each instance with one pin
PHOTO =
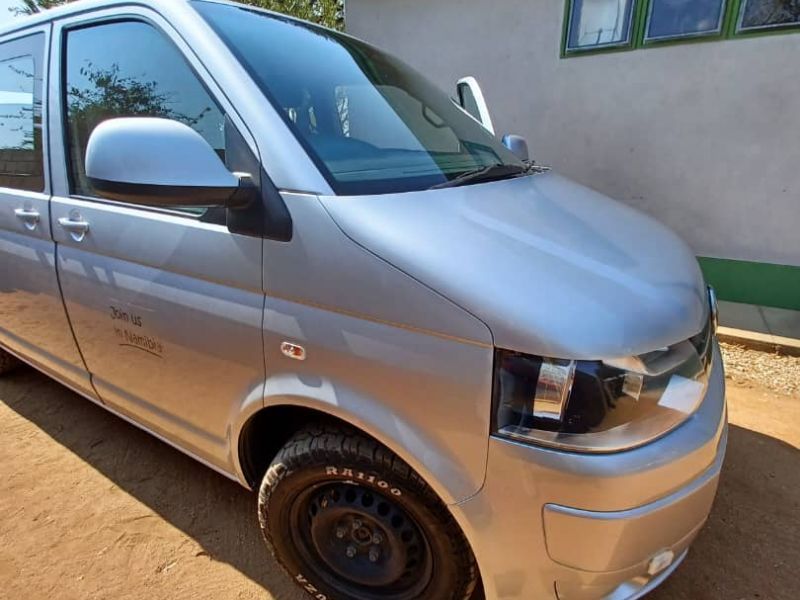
(593, 25)
(599, 23)
(129, 69)
(683, 18)
(769, 14)
(21, 155)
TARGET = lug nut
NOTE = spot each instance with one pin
(340, 532)
(357, 524)
(351, 551)
(374, 554)
(377, 538)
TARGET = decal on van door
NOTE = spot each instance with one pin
(124, 322)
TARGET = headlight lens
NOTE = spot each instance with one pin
(596, 406)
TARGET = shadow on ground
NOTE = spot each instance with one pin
(216, 512)
(748, 549)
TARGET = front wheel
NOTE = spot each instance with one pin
(349, 520)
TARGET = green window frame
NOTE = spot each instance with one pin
(731, 26)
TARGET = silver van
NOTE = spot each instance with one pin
(446, 370)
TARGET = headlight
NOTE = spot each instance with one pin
(600, 406)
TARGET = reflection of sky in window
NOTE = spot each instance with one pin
(7, 10)
(598, 22)
(144, 54)
(16, 102)
(684, 17)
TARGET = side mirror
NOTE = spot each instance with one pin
(518, 145)
(470, 98)
(161, 162)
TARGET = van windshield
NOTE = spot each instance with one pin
(372, 124)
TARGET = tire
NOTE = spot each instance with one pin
(349, 520)
(8, 362)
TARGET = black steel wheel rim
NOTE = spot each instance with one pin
(360, 542)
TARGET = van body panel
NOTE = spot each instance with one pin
(650, 487)
(383, 351)
(367, 287)
(34, 323)
(393, 384)
(521, 254)
(169, 330)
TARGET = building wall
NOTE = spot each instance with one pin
(704, 136)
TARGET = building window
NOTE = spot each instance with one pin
(599, 23)
(670, 19)
(603, 25)
(769, 14)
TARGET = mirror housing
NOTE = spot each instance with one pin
(518, 145)
(472, 101)
(161, 162)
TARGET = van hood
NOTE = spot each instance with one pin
(551, 267)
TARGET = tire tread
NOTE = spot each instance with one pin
(325, 442)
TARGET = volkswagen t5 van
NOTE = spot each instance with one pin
(445, 370)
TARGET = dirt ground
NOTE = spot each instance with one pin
(93, 508)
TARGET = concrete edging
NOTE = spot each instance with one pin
(759, 341)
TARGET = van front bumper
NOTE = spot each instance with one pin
(567, 526)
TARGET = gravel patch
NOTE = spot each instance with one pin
(775, 372)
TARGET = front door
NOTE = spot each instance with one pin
(32, 318)
(166, 305)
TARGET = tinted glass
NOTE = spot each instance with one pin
(129, 69)
(677, 18)
(596, 23)
(371, 123)
(761, 14)
(21, 114)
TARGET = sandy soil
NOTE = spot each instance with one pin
(91, 508)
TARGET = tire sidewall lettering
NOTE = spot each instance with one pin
(359, 476)
(309, 587)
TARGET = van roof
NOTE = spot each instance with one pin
(81, 6)
(72, 8)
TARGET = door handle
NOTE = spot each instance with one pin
(77, 228)
(28, 216)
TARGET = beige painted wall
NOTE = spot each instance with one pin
(706, 137)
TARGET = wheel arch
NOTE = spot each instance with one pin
(266, 430)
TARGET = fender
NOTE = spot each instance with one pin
(445, 472)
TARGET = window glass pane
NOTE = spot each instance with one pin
(761, 14)
(21, 114)
(371, 124)
(595, 23)
(677, 18)
(366, 106)
(129, 69)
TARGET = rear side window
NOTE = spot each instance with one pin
(130, 69)
(21, 155)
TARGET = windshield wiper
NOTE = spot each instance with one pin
(484, 174)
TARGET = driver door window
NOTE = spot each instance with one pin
(130, 69)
